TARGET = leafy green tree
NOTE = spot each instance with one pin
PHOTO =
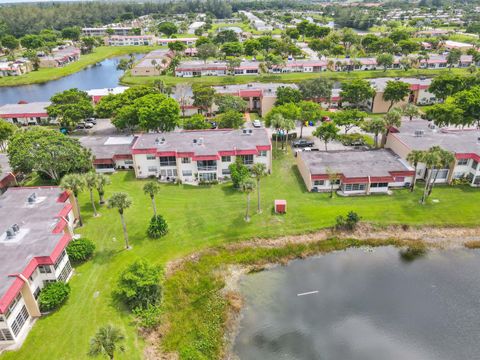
(374, 126)
(177, 46)
(287, 94)
(203, 97)
(469, 102)
(232, 48)
(157, 112)
(168, 28)
(48, 152)
(453, 57)
(10, 42)
(232, 64)
(385, 60)
(230, 119)
(349, 118)
(238, 172)
(126, 118)
(230, 102)
(356, 92)
(32, 56)
(276, 121)
(121, 201)
(80, 250)
(247, 186)
(71, 33)
(6, 131)
(316, 89)
(196, 122)
(31, 41)
(326, 132)
(395, 91)
(411, 110)
(91, 181)
(207, 50)
(409, 46)
(102, 181)
(446, 84)
(290, 113)
(139, 285)
(251, 46)
(391, 119)
(75, 183)
(225, 36)
(70, 107)
(53, 295)
(107, 341)
(309, 112)
(158, 227)
(445, 114)
(259, 170)
(151, 189)
(399, 34)
(414, 157)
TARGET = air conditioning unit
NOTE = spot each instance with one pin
(419, 133)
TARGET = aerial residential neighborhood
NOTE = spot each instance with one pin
(239, 180)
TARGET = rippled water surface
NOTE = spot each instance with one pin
(369, 305)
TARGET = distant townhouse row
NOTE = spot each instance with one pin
(59, 57)
(36, 225)
(15, 68)
(149, 40)
(103, 31)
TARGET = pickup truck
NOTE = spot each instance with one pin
(301, 143)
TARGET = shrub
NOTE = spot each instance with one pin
(148, 317)
(349, 222)
(80, 250)
(158, 227)
(353, 139)
(53, 295)
(139, 285)
(413, 252)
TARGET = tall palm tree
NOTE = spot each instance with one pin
(91, 183)
(393, 118)
(121, 201)
(106, 341)
(446, 158)
(247, 186)
(259, 170)
(431, 159)
(288, 125)
(102, 181)
(414, 157)
(74, 183)
(277, 122)
(151, 189)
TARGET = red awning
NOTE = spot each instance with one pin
(144, 151)
(246, 152)
(361, 180)
(227, 153)
(468, 156)
(319, 177)
(166, 153)
(205, 157)
(377, 179)
(250, 93)
(102, 161)
(264, 147)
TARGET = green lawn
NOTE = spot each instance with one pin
(47, 74)
(200, 217)
(127, 79)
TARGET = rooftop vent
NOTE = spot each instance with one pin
(419, 133)
(32, 198)
(159, 141)
(249, 85)
(199, 141)
(431, 126)
(247, 131)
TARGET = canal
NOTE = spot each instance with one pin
(364, 305)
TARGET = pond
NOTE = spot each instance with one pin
(369, 305)
(101, 75)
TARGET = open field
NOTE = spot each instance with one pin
(47, 74)
(127, 79)
(201, 217)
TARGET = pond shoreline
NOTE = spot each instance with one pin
(298, 247)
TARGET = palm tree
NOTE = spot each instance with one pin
(247, 186)
(410, 110)
(91, 182)
(106, 341)
(277, 122)
(431, 159)
(102, 181)
(446, 158)
(288, 125)
(121, 201)
(414, 157)
(333, 177)
(152, 188)
(393, 118)
(259, 170)
(74, 183)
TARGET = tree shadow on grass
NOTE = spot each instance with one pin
(299, 179)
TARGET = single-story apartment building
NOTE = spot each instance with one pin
(194, 68)
(60, 57)
(357, 172)
(422, 135)
(305, 66)
(187, 41)
(127, 40)
(102, 31)
(110, 153)
(450, 45)
(199, 156)
(36, 225)
(153, 63)
(15, 68)
(23, 113)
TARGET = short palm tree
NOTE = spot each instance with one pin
(277, 122)
(91, 182)
(106, 341)
(121, 201)
(414, 157)
(247, 186)
(102, 181)
(74, 183)
(259, 170)
(151, 189)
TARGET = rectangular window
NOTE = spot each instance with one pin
(379, 185)
(36, 293)
(67, 269)
(60, 259)
(20, 320)
(207, 176)
(399, 179)
(5, 335)
(226, 159)
(262, 153)
(168, 161)
(354, 187)
(187, 172)
(247, 159)
(474, 164)
(186, 160)
(46, 282)
(225, 171)
(461, 162)
(440, 174)
(319, 182)
(128, 162)
(152, 169)
(45, 269)
(207, 165)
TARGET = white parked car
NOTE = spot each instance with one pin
(257, 123)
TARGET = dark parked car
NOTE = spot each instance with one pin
(91, 120)
(303, 143)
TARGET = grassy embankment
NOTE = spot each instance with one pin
(200, 218)
(47, 74)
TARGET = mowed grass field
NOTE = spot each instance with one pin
(46, 74)
(200, 217)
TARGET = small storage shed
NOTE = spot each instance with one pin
(280, 206)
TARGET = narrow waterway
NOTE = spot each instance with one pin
(369, 305)
(101, 75)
